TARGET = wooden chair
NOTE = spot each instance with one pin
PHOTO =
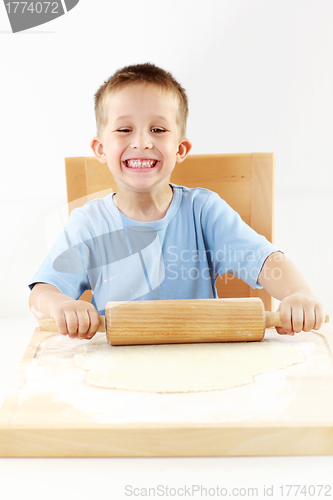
(244, 180)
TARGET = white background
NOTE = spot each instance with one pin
(259, 76)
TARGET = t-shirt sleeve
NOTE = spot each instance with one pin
(234, 246)
(65, 267)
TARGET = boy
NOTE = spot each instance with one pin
(152, 239)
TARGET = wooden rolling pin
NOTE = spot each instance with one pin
(183, 321)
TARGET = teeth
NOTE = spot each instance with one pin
(141, 163)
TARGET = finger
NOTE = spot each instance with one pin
(61, 324)
(94, 323)
(72, 323)
(286, 318)
(309, 319)
(84, 323)
(297, 318)
(281, 331)
(320, 318)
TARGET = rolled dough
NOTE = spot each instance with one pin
(182, 367)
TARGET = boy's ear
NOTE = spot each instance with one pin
(183, 150)
(97, 147)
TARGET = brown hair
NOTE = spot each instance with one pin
(141, 73)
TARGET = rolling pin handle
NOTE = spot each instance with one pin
(273, 319)
(49, 325)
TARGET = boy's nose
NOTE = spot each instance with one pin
(140, 141)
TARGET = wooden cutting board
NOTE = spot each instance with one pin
(51, 411)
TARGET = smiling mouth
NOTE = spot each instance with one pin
(140, 163)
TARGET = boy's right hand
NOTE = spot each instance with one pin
(76, 318)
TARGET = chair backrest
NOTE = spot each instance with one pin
(244, 180)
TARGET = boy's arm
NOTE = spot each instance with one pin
(300, 309)
(76, 318)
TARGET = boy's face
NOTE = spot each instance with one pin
(141, 142)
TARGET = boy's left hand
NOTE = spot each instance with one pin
(300, 311)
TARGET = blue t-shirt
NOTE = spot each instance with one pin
(177, 257)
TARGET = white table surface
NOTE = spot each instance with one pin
(116, 478)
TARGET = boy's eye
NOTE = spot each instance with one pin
(157, 130)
